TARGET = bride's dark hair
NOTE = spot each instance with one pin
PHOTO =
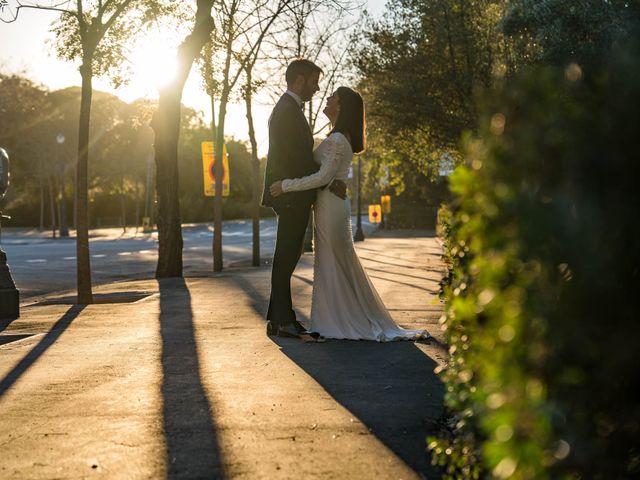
(351, 118)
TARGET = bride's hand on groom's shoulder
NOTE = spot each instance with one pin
(276, 189)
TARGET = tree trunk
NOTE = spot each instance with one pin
(64, 227)
(123, 212)
(148, 193)
(166, 127)
(255, 207)
(307, 245)
(75, 200)
(52, 204)
(218, 151)
(41, 199)
(214, 133)
(217, 200)
(58, 205)
(85, 295)
(137, 219)
(312, 123)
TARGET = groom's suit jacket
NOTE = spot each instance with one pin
(290, 154)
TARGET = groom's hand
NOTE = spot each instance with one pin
(276, 189)
(338, 188)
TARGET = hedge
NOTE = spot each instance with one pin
(543, 298)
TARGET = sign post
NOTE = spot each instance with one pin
(385, 204)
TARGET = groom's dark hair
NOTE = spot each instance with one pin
(303, 67)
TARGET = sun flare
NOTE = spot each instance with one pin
(153, 63)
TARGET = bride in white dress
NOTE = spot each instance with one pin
(345, 304)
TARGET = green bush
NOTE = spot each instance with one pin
(543, 300)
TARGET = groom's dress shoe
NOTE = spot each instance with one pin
(288, 331)
(271, 329)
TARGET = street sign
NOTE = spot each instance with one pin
(208, 172)
(375, 213)
(385, 203)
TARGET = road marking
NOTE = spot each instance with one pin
(69, 258)
(146, 251)
(37, 260)
(100, 255)
(263, 231)
(124, 253)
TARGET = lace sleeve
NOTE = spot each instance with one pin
(328, 167)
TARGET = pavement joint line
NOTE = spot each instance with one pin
(25, 336)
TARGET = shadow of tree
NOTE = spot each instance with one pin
(432, 291)
(398, 263)
(396, 259)
(36, 352)
(192, 449)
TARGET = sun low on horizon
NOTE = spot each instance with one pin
(150, 64)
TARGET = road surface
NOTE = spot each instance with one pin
(41, 265)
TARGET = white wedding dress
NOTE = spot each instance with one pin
(345, 304)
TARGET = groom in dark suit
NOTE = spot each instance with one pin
(290, 156)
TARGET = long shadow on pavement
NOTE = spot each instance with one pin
(390, 387)
(191, 440)
(36, 352)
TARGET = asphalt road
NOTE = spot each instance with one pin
(41, 265)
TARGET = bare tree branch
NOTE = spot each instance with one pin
(13, 16)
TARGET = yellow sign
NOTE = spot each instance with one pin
(385, 202)
(208, 164)
(375, 213)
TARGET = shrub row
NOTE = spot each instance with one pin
(542, 316)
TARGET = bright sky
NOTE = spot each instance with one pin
(24, 49)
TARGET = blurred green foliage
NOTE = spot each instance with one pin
(542, 301)
(557, 31)
(419, 68)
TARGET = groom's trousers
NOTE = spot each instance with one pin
(292, 224)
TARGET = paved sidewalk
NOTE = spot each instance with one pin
(177, 379)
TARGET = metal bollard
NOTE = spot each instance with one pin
(9, 295)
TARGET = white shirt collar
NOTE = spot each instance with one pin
(296, 97)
